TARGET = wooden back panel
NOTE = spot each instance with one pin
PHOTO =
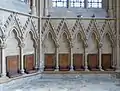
(64, 60)
(78, 60)
(29, 62)
(93, 61)
(106, 61)
(12, 64)
(49, 60)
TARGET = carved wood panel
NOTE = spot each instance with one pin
(93, 61)
(29, 63)
(106, 61)
(49, 61)
(64, 61)
(78, 61)
(12, 65)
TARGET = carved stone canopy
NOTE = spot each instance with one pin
(3, 45)
(22, 45)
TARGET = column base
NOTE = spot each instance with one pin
(22, 71)
(71, 68)
(57, 69)
(41, 69)
(36, 68)
(4, 79)
(87, 70)
(117, 70)
(101, 69)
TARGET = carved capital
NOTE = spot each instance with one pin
(35, 45)
(3, 45)
(22, 45)
(57, 45)
(85, 45)
(100, 45)
(71, 45)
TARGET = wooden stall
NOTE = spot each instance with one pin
(107, 62)
(49, 62)
(78, 62)
(93, 62)
(64, 62)
(12, 66)
(29, 63)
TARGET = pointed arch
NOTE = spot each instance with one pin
(82, 35)
(78, 43)
(64, 29)
(110, 36)
(33, 35)
(93, 43)
(96, 34)
(30, 43)
(53, 37)
(64, 43)
(108, 30)
(49, 29)
(64, 33)
(107, 51)
(94, 28)
(13, 41)
(78, 52)
(13, 22)
(49, 52)
(16, 32)
(49, 43)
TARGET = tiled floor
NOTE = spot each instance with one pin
(86, 82)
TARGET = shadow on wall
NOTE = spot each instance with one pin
(73, 12)
(16, 5)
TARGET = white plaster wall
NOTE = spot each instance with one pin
(106, 45)
(64, 44)
(12, 45)
(92, 45)
(28, 49)
(78, 45)
(49, 44)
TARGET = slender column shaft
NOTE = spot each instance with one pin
(3, 74)
(33, 7)
(35, 58)
(100, 55)
(71, 54)
(57, 59)
(110, 8)
(85, 58)
(46, 7)
(21, 58)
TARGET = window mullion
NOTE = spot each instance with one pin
(68, 3)
(86, 3)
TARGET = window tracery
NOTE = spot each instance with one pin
(77, 3)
